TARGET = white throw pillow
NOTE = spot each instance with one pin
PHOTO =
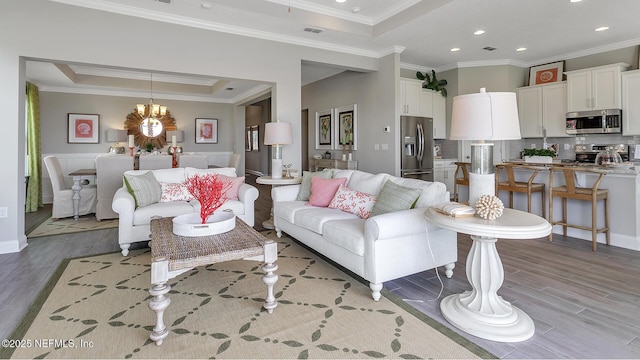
(228, 171)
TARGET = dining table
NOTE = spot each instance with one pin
(79, 176)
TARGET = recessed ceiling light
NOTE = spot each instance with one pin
(601, 28)
(340, 1)
(454, 49)
(574, 1)
(478, 32)
(521, 49)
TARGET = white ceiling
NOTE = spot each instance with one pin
(551, 30)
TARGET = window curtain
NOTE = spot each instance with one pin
(34, 150)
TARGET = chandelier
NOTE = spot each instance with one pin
(151, 114)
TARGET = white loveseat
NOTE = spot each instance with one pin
(134, 221)
(381, 248)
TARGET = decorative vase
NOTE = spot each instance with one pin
(191, 224)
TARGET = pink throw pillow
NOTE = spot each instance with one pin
(353, 201)
(323, 190)
(174, 192)
(232, 191)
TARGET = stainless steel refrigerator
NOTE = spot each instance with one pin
(417, 147)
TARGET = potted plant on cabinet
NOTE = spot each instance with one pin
(539, 155)
(432, 83)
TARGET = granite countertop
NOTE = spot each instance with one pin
(628, 168)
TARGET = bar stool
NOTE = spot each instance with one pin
(527, 187)
(571, 191)
(463, 168)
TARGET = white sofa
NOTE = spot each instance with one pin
(134, 222)
(381, 248)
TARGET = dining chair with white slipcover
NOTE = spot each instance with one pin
(63, 195)
(109, 171)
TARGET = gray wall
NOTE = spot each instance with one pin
(113, 111)
(375, 95)
(55, 34)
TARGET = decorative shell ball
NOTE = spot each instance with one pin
(489, 207)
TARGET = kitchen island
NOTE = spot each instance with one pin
(623, 183)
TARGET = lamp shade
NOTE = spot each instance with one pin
(278, 133)
(115, 135)
(485, 116)
(179, 134)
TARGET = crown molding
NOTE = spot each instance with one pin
(218, 27)
(415, 67)
(325, 10)
(142, 76)
(252, 93)
(587, 52)
(128, 93)
(398, 7)
(396, 49)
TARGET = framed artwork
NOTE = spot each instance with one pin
(247, 139)
(255, 138)
(347, 128)
(206, 131)
(545, 74)
(324, 130)
(83, 129)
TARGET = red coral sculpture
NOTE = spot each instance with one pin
(209, 191)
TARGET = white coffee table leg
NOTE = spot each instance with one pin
(270, 277)
(160, 302)
(481, 311)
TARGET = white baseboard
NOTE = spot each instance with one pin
(13, 246)
(619, 240)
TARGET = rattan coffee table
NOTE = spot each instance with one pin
(173, 255)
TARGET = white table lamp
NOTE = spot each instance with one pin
(117, 136)
(277, 134)
(479, 117)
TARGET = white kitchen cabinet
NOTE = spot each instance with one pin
(595, 88)
(416, 101)
(631, 102)
(439, 116)
(412, 98)
(444, 172)
(543, 108)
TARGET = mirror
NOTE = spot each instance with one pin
(151, 132)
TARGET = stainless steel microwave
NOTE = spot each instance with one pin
(595, 122)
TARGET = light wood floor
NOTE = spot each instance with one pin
(584, 304)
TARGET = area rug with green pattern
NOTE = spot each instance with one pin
(97, 307)
(69, 225)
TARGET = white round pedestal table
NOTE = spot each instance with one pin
(481, 311)
(268, 180)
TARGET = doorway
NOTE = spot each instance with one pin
(304, 136)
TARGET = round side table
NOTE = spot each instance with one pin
(268, 180)
(481, 311)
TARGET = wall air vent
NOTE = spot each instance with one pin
(488, 48)
(313, 30)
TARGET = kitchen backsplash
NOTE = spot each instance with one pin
(584, 139)
(449, 148)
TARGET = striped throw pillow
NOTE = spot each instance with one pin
(394, 197)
